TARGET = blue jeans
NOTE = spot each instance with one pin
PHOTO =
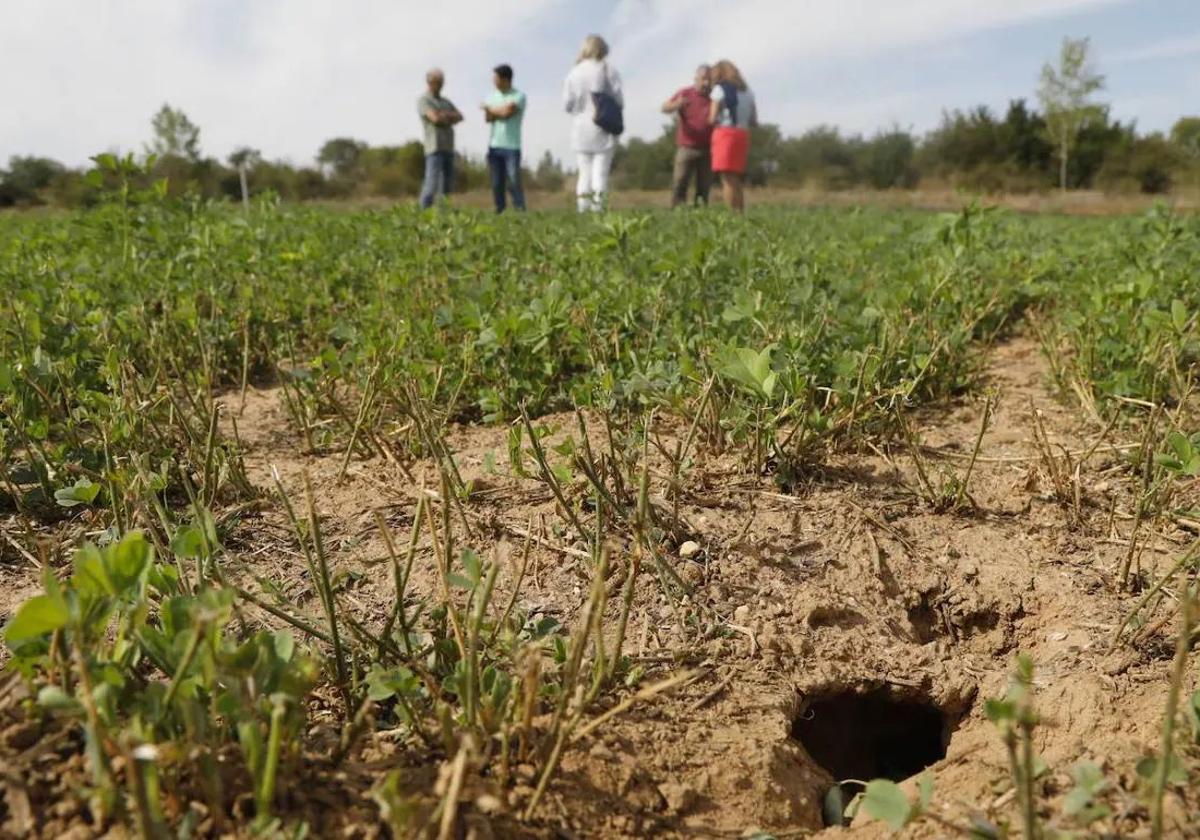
(505, 167)
(439, 177)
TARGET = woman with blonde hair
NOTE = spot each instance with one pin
(732, 114)
(592, 96)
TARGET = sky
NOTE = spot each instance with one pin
(78, 77)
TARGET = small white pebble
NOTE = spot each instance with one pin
(689, 549)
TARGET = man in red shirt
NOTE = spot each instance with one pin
(690, 105)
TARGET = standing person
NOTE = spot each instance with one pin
(504, 109)
(593, 145)
(732, 114)
(438, 118)
(693, 133)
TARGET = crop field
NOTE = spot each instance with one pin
(321, 523)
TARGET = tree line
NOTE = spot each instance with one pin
(1069, 140)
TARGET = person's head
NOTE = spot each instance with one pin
(703, 80)
(502, 77)
(594, 47)
(726, 71)
(434, 79)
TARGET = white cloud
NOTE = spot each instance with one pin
(1176, 47)
(284, 75)
(773, 41)
(279, 75)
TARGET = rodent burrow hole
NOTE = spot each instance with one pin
(877, 733)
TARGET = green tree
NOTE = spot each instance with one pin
(549, 173)
(26, 177)
(174, 134)
(1186, 135)
(766, 141)
(243, 160)
(888, 160)
(1066, 92)
(341, 155)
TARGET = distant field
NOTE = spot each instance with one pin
(315, 521)
(1075, 203)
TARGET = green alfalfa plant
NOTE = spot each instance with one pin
(751, 370)
(945, 489)
(121, 647)
(1167, 761)
(1016, 718)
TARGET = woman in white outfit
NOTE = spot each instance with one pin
(593, 145)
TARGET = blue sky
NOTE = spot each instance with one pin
(82, 76)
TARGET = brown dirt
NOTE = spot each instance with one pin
(850, 583)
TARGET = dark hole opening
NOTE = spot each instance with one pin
(873, 735)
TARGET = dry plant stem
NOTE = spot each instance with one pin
(512, 600)
(298, 623)
(319, 570)
(1178, 670)
(983, 426)
(449, 806)
(1154, 590)
(441, 552)
(101, 774)
(631, 574)
(547, 476)
(632, 700)
(364, 407)
(327, 597)
(144, 795)
(400, 575)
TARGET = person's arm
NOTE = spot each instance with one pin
(674, 104)
(717, 98)
(451, 115)
(501, 112)
(568, 96)
(754, 115)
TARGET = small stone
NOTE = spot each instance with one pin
(679, 797)
(742, 614)
(689, 549)
(600, 751)
(692, 574)
(489, 804)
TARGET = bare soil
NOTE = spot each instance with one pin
(853, 614)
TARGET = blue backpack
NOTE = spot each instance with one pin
(730, 100)
(608, 113)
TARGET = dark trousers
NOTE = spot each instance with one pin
(505, 168)
(691, 163)
(439, 177)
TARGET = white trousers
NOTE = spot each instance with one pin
(592, 187)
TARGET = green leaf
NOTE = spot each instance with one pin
(833, 806)
(54, 699)
(925, 791)
(470, 561)
(188, 542)
(285, 645)
(999, 710)
(38, 616)
(461, 582)
(884, 800)
(83, 492)
(1179, 314)
(128, 560)
(1147, 768)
